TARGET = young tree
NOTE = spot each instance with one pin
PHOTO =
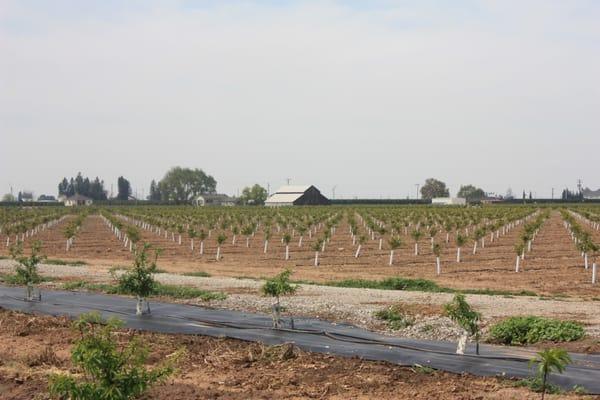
(519, 249)
(110, 371)
(276, 287)
(139, 281)
(124, 189)
(192, 234)
(461, 312)
(317, 245)
(26, 272)
(286, 240)
(394, 242)
(416, 235)
(267, 236)
(548, 361)
(460, 242)
(220, 240)
(202, 237)
(247, 232)
(437, 250)
(361, 240)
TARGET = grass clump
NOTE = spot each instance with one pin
(530, 329)
(535, 384)
(396, 317)
(200, 274)
(55, 261)
(173, 291)
(416, 285)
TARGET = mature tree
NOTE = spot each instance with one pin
(434, 188)
(255, 195)
(9, 197)
(124, 188)
(471, 193)
(83, 186)
(154, 191)
(184, 184)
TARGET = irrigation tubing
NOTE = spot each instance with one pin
(306, 333)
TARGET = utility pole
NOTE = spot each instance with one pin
(333, 191)
(552, 193)
(288, 181)
(417, 185)
(268, 189)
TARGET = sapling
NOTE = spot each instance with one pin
(26, 273)
(139, 281)
(437, 250)
(110, 370)
(192, 234)
(548, 361)
(468, 319)
(220, 240)
(317, 248)
(202, 237)
(416, 235)
(361, 240)
(519, 249)
(286, 240)
(267, 236)
(276, 287)
(432, 232)
(247, 232)
(394, 242)
(460, 242)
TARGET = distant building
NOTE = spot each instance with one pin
(78, 200)
(448, 201)
(47, 199)
(590, 194)
(214, 200)
(25, 197)
(297, 196)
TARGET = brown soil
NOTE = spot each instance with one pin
(32, 347)
(554, 267)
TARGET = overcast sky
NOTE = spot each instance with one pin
(371, 99)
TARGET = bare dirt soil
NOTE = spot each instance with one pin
(32, 347)
(553, 267)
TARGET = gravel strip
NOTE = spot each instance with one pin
(356, 305)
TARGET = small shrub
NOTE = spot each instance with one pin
(110, 371)
(529, 330)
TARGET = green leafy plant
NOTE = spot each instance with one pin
(530, 329)
(276, 287)
(26, 272)
(108, 371)
(548, 361)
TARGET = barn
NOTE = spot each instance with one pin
(297, 196)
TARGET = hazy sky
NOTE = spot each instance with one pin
(371, 98)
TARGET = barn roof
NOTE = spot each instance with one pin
(284, 197)
(293, 189)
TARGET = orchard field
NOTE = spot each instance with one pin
(544, 250)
